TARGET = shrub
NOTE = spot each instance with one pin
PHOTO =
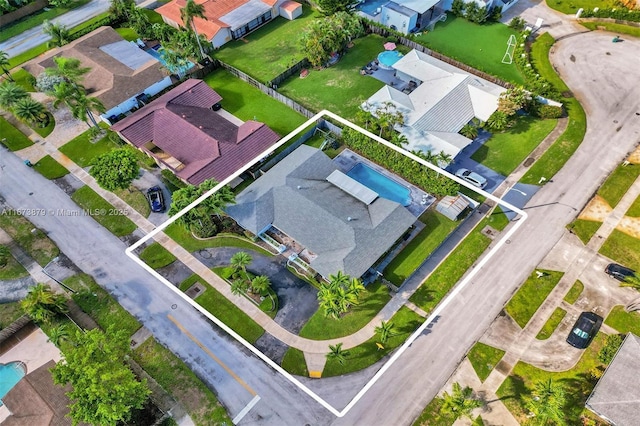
(517, 23)
(457, 7)
(611, 345)
(168, 176)
(548, 111)
(622, 14)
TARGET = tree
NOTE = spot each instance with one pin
(59, 33)
(329, 7)
(104, 390)
(469, 131)
(338, 295)
(119, 9)
(5, 64)
(174, 62)
(42, 304)
(340, 279)
(82, 107)
(460, 402)
(29, 110)
(547, 403)
(10, 94)
(58, 334)
(240, 261)
(498, 121)
(239, 287)
(213, 205)
(5, 255)
(512, 100)
(632, 281)
(323, 37)
(260, 284)
(47, 83)
(355, 287)
(115, 169)
(385, 330)
(458, 7)
(69, 69)
(337, 353)
(611, 345)
(190, 11)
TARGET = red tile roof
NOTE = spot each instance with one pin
(290, 5)
(182, 124)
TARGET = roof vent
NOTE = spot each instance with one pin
(349, 219)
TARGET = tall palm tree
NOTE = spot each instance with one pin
(340, 279)
(547, 403)
(5, 64)
(632, 281)
(69, 69)
(216, 203)
(240, 261)
(239, 287)
(173, 61)
(82, 107)
(337, 353)
(29, 110)
(187, 13)
(385, 330)
(460, 402)
(42, 304)
(10, 94)
(260, 284)
(59, 33)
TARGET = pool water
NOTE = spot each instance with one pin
(370, 6)
(388, 58)
(10, 375)
(180, 70)
(384, 186)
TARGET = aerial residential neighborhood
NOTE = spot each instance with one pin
(360, 212)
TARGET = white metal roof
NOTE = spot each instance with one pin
(128, 54)
(352, 187)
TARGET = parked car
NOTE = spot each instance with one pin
(472, 177)
(156, 199)
(619, 272)
(583, 331)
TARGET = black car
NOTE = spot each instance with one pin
(584, 330)
(156, 199)
(619, 272)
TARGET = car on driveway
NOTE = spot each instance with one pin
(156, 199)
(583, 331)
(472, 177)
(619, 272)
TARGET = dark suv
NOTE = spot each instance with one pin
(619, 272)
(156, 200)
(584, 330)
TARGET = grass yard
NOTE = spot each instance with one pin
(524, 304)
(452, 38)
(340, 89)
(405, 321)
(11, 137)
(27, 55)
(214, 302)
(634, 210)
(249, 103)
(622, 248)
(507, 149)
(183, 237)
(574, 293)
(9, 312)
(82, 151)
(437, 228)
(584, 229)
(177, 378)
(612, 27)
(136, 199)
(576, 381)
(50, 168)
(36, 244)
(12, 270)
(128, 34)
(99, 304)
(484, 358)
(624, 322)
(451, 270)
(157, 256)
(319, 327)
(432, 415)
(618, 182)
(102, 211)
(270, 50)
(552, 323)
(294, 362)
(24, 79)
(570, 7)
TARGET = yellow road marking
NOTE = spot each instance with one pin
(215, 358)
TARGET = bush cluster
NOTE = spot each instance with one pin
(533, 81)
(474, 13)
(622, 14)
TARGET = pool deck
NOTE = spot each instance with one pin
(420, 200)
(35, 350)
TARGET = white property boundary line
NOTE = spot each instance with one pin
(411, 339)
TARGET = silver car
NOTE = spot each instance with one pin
(472, 177)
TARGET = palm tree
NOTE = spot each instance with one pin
(355, 287)
(82, 107)
(443, 159)
(338, 280)
(29, 110)
(240, 261)
(239, 287)
(385, 330)
(398, 139)
(59, 33)
(10, 94)
(547, 403)
(58, 334)
(327, 301)
(344, 299)
(216, 203)
(338, 353)
(69, 69)
(174, 62)
(42, 304)
(4, 64)
(460, 402)
(260, 284)
(187, 13)
(469, 131)
(632, 281)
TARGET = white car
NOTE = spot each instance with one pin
(472, 177)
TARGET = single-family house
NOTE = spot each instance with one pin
(187, 132)
(120, 72)
(437, 101)
(337, 223)
(228, 20)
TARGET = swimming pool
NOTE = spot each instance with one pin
(370, 6)
(10, 375)
(179, 70)
(384, 186)
(388, 58)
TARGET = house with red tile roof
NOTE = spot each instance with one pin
(228, 20)
(184, 134)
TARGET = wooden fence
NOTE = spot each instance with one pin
(295, 69)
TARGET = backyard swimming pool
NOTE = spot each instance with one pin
(384, 186)
(370, 6)
(388, 58)
(10, 375)
(179, 70)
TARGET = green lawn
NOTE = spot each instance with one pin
(452, 38)
(524, 304)
(432, 415)
(437, 228)
(270, 50)
(128, 34)
(340, 89)
(614, 28)
(179, 380)
(570, 7)
(50, 168)
(584, 229)
(319, 327)
(634, 210)
(27, 55)
(294, 362)
(36, 244)
(11, 137)
(574, 293)
(157, 256)
(214, 302)
(484, 358)
(82, 151)
(153, 16)
(24, 79)
(451, 270)
(103, 212)
(9, 312)
(180, 235)
(12, 270)
(99, 304)
(405, 321)
(249, 103)
(623, 249)
(136, 199)
(624, 322)
(552, 323)
(618, 182)
(507, 149)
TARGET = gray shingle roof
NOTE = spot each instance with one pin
(295, 197)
